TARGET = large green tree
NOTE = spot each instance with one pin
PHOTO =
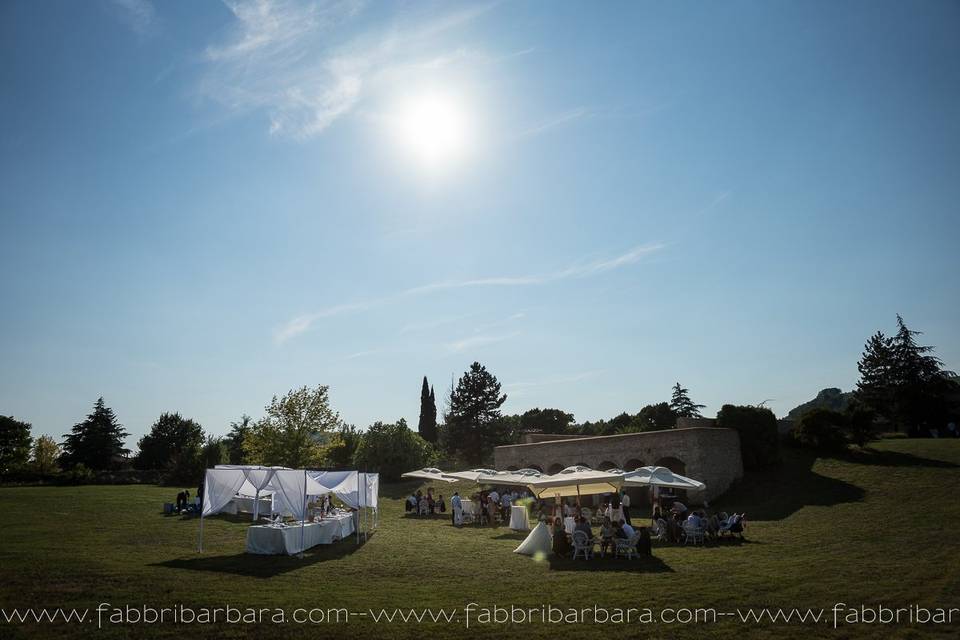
(235, 438)
(391, 449)
(546, 421)
(681, 404)
(171, 437)
(15, 443)
(473, 422)
(903, 382)
(427, 426)
(96, 442)
(45, 454)
(292, 432)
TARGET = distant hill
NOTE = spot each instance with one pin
(831, 398)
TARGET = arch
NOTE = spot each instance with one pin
(632, 464)
(535, 466)
(512, 467)
(606, 464)
(584, 464)
(674, 464)
(556, 467)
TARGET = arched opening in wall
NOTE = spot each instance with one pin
(512, 467)
(534, 466)
(556, 467)
(584, 464)
(606, 464)
(674, 464)
(632, 464)
(668, 495)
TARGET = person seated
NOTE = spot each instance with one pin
(607, 532)
(441, 505)
(411, 503)
(584, 525)
(644, 544)
(628, 530)
(618, 530)
(693, 520)
(561, 543)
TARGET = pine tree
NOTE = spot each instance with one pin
(682, 405)
(875, 389)
(427, 427)
(473, 424)
(96, 441)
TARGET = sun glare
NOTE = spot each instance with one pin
(434, 129)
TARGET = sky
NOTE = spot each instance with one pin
(205, 204)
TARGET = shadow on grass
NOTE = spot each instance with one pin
(513, 535)
(260, 566)
(643, 564)
(778, 493)
(875, 457)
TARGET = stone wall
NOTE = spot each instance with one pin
(708, 454)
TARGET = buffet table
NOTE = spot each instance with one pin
(519, 521)
(277, 540)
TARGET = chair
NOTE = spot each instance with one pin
(733, 524)
(692, 534)
(660, 531)
(582, 545)
(627, 546)
(424, 508)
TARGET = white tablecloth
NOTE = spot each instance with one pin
(569, 524)
(469, 506)
(267, 539)
(518, 518)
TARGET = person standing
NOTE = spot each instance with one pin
(625, 504)
(456, 509)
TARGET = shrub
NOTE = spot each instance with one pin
(757, 426)
(822, 429)
(391, 449)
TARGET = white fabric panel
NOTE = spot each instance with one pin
(219, 487)
(373, 489)
(342, 484)
(291, 487)
(259, 479)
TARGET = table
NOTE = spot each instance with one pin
(519, 520)
(271, 540)
(469, 507)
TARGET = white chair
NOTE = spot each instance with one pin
(582, 545)
(660, 531)
(424, 507)
(626, 546)
(692, 534)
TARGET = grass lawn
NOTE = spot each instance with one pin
(876, 528)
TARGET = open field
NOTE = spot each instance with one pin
(877, 528)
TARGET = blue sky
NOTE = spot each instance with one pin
(203, 204)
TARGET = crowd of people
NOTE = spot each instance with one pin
(421, 504)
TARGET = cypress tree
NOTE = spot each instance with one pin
(427, 426)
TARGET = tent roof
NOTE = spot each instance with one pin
(471, 475)
(663, 477)
(576, 480)
(428, 473)
(520, 478)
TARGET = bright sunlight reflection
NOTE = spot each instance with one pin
(433, 128)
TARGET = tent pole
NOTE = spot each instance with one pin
(303, 514)
(200, 544)
(202, 505)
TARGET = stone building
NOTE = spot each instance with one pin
(705, 453)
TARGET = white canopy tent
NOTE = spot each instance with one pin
(520, 478)
(471, 475)
(291, 489)
(428, 473)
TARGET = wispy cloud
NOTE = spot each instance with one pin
(301, 323)
(555, 121)
(477, 341)
(139, 15)
(307, 63)
(555, 380)
(714, 203)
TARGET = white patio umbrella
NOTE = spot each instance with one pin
(471, 475)
(428, 473)
(520, 478)
(662, 477)
(576, 481)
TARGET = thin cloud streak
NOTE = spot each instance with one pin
(303, 322)
(139, 15)
(554, 122)
(474, 342)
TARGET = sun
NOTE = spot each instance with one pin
(433, 128)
